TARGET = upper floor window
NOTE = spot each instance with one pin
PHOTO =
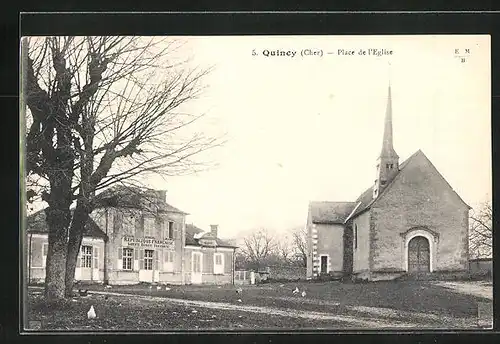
(128, 224)
(149, 226)
(170, 230)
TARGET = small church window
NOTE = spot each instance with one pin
(355, 236)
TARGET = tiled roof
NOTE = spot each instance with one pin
(36, 223)
(191, 230)
(330, 212)
(134, 197)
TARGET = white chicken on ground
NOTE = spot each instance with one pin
(303, 293)
(296, 290)
(91, 313)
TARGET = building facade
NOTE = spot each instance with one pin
(139, 239)
(410, 221)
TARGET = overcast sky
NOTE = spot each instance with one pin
(310, 128)
(303, 129)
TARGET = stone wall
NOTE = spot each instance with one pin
(419, 198)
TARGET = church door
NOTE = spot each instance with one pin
(324, 264)
(418, 255)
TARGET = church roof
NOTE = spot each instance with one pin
(366, 199)
(330, 212)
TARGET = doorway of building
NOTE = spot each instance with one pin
(324, 264)
(86, 263)
(146, 268)
(196, 267)
(418, 255)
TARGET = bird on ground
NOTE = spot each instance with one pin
(303, 293)
(239, 300)
(83, 292)
(239, 291)
(91, 313)
(296, 290)
(107, 286)
(158, 287)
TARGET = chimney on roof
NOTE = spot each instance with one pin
(162, 194)
(213, 230)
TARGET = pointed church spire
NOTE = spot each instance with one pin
(387, 143)
(388, 161)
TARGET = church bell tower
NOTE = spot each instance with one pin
(388, 161)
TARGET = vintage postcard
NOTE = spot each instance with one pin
(257, 182)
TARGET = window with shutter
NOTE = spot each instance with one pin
(138, 226)
(159, 260)
(96, 257)
(141, 259)
(149, 226)
(79, 259)
(45, 250)
(171, 226)
(156, 258)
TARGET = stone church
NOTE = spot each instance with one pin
(409, 222)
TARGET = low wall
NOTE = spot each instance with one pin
(286, 272)
(481, 267)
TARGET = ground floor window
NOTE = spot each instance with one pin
(86, 256)
(127, 257)
(148, 259)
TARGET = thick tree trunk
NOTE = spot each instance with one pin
(57, 221)
(80, 218)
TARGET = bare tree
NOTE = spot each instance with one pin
(102, 111)
(258, 246)
(284, 249)
(300, 243)
(481, 231)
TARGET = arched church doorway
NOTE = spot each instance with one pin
(418, 255)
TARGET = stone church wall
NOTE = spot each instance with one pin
(419, 196)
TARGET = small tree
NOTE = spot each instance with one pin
(258, 246)
(299, 235)
(481, 231)
(284, 249)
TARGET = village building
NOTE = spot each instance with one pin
(135, 236)
(410, 221)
